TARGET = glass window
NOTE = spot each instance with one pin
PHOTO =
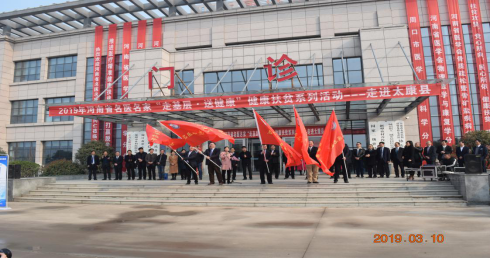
(25, 151)
(347, 70)
(60, 67)
(27, 70)
(54, 150)
(24, 111)
(118, 62)
(48, 118)
(187, 77)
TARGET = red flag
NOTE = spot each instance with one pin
(196, 134)
(156, 136)
(301, 143)
(331, 145)
(268, 136)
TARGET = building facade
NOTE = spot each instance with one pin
(336, 44)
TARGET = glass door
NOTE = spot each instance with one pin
(254, 147)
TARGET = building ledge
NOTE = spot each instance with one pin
(43, 81)
(39, 124)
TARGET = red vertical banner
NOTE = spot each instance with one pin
(126, 78)
(157, 33)
(96, 78)
(446, 119)
(481, 60)
(417, 57)
(142, 33)
(460, 66)
(111, 49)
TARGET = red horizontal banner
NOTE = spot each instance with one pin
(315, 130)
(250, 100)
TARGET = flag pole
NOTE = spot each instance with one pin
(185, 161)
(345, 167)
(209, 159)
(261, 140)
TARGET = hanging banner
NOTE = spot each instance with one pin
(417, 57)
(142, 34)
(111, 49)
(446, 119)
(461, 66)
(250, 100)
(127, 27)
(139, 139)
(313, 130)
(4, 174)
(96, 78)
(388, 132)
(157, 33)
(481, 60)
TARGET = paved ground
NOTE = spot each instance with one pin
(58, 230)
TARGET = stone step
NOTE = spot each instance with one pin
(234, 203)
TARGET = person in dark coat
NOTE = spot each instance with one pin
(340, 165)
(264, 157)
(274, 164)
(213, 162)
(92, 164)
(235, 162)
(181, 165)
(106, 166)
(118, 166)
(443, 149)
(396, 158)
(289, 171)
(130, 163)
(245, 158)
(370, 160)
(418, 155)
(408, 157)
(482, 152)
(429, 153)
(140, 162)
(191, 158)
(461, 151)
(151, 161)
(200, 160)
(161, 162)
(358, 155)
(349, 162)
(383, 159)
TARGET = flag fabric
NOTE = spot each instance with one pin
(331, 145)
(156, 136)
(301, 143)
(268, 136)
(196, 134)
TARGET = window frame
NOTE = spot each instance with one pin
(37, 67)
(73, 67)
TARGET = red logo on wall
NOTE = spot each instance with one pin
(285, 68)
(156, 70)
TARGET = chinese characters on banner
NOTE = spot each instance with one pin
(446, 122)
(111, 49)
(285, 68)
(316, 130)
(157, 33)
(96, 79)
(126, 77)
(460, 65)
(389, 132)
(251, 100)
(141, 36)
(481, 60)
(139, 139)
(417, 56)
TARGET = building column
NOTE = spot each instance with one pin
(6, 78)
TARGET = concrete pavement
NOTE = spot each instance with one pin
(73, 230)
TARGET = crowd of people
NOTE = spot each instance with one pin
(224, 164)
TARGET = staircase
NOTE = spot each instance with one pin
(283, 193)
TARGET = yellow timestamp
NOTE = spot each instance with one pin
(411, 238)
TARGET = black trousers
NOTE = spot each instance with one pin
(107, 172)
(226, 174)
(264, 171)
(372, 170)
(234, 170)
(290, 171)
(461, 162)
(339, 168)
(118, 173)
(383, 168)
(151, 172)
(274, 168)
(142, 171)
(398, 165)
(190, 173)
(247, 166)
(131, 173)
(93, 172)
(359, 168)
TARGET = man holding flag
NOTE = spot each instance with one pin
(331, 145)
(306, 149)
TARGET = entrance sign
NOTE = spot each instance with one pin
(389, 132)
(250, 100)
(135, 140)
(4, 161)
(285, 68)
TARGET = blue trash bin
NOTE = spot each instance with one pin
(166, 175)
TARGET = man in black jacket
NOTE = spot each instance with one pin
(213, 154)
(191, 157)
(140, 162)
(92, 164)
(130, 160)
(429, 153)
(340, 165)
(106, 165)
(274, 165)
(264, 157)
(482, 152)
(358, 154)
(383, 156)
(396, 158)
(161, 161)
(118, 166)
(245, 158)
(312, 170)
(461, 151)
(443, 149)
